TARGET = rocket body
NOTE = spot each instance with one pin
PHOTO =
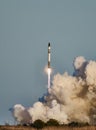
(49, 66)
(49, 55)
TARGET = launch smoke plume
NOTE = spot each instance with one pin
(72, 98)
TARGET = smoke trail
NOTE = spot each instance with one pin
(49, 73)
(71, 98)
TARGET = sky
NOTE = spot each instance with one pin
(26, 27)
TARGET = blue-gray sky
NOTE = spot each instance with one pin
(26, 26)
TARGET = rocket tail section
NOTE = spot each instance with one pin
(48, 64)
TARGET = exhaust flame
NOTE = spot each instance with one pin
(49, 74)
(49, 78)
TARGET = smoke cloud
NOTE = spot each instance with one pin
(71, 97)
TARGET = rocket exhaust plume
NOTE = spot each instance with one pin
(72, 97)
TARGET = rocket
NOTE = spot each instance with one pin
(49, 67)
(49, 55)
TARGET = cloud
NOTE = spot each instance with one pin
(71, 97)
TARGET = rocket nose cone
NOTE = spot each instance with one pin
(49, 44)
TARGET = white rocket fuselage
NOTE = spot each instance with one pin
(49, 55)
(49, 66)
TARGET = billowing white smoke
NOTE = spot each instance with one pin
(20, 114)
(71, 98)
